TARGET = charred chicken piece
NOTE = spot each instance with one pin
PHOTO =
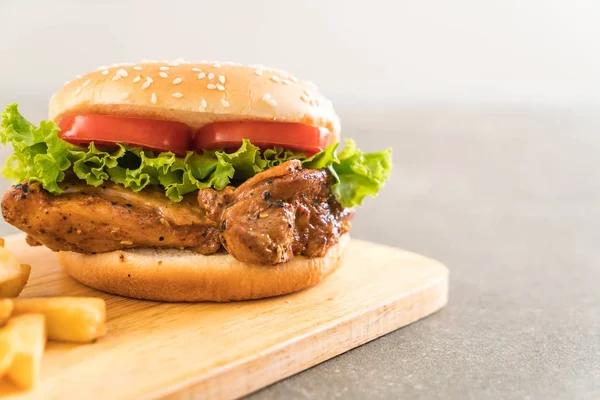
(279, 213)
(86, 219)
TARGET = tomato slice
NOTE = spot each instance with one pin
(107, 130)
(292, 136)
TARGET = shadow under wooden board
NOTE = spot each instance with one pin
(211, 350)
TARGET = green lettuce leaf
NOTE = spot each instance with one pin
(360, 174)
(41, 156)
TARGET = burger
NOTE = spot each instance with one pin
(177, 181)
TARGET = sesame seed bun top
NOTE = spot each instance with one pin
(196, 94)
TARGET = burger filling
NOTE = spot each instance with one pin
(262, 191)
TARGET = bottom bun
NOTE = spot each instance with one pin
(182, 275)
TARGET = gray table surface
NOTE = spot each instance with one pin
(509, 199)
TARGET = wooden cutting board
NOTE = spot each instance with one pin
(209, 350)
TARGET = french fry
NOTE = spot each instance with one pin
(13, 276)
(28, 335)
(6, 309)
(7, 343)
(69, 319)
(8, 263)
(13, 286)
(7, 350)
(25, 273)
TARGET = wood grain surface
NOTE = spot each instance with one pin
(210, 350)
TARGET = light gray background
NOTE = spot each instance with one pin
(379, 51)
(492, 111)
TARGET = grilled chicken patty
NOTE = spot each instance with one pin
(281, 212)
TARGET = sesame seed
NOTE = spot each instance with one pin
(122, 72)
(86, 83)
(293, 79)
(275, 78)
(148, 82)
(100, 68)
(78, 91)
(163, 75)
(304, 98)
(272, 102)
(137, 79)
(153, 98)
(137, 68)
(105, 72)
(77, 76)
(201, 75)
(258, 72)
(124, 95)
(177, 95)
(225, 102)
(177, 81)
(222, 79)
(116, 77)
(211, 76)
(204, 103)
(286, 82)
(220, 87)
(210, 86)
(196, 69)
(266, 97)
(163, 68)
(307, 92)
(216, 65)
